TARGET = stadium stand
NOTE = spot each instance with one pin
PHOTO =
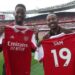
(66, 19)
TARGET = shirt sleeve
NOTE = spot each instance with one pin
(39, 53)
(1, 38)
(1, 41)
(33, 42)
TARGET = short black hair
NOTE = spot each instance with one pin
(52, 14)
(20, 5)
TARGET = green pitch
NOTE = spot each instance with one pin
(36, 67)
(1, 63)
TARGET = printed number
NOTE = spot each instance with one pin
(66, 57)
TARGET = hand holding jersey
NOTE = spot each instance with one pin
(2, 27)
(20, 15)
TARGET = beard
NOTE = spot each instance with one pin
(19, 20)
(53, 25)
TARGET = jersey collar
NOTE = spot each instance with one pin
(16, 28)
(56, 36)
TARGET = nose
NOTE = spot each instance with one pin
(19, 14)
(51, 20)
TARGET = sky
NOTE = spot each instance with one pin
(9, 5)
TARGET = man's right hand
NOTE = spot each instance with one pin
(2, 28)
(0, 50)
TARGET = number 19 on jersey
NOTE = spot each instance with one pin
(66, 57)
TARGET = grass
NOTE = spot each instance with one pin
(36, 67)
(1, 63)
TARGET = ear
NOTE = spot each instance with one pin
(25, 16)
(14, 13)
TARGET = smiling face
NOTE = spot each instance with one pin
(20, 13)
(52, 21)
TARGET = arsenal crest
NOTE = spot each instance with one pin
(26, 38)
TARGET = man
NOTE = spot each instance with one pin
(20, 14)
(56, 50)
(55, 29)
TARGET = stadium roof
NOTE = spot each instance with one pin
(40, 7)
(9, 5)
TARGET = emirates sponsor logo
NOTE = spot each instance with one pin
(16, 46)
